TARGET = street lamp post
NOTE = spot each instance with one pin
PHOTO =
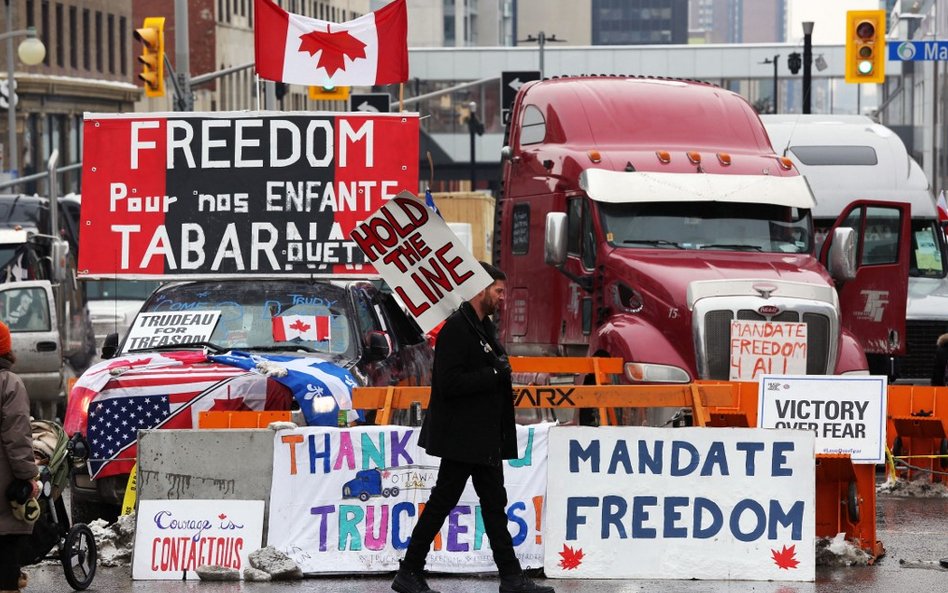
(541, 40)
(31, 51)
(807, 63)
(774, 62)
(475, 128)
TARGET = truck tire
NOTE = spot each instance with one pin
(86, 509)
(394, 491)
(386, 492)
(363, 496)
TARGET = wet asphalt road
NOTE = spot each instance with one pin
(914, 532)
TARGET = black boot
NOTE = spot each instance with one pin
(410, 581)
(519, 583)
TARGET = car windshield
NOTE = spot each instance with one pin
(263, 314)
(708, 225)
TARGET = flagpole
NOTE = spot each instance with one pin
(401, 97)
(257, 82)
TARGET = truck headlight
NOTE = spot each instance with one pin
(641, 372)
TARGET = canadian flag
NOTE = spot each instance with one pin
(312, 328)
(369, 50)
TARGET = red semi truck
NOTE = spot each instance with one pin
(650, 219)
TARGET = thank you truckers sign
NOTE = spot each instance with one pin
(425, 263)
(191, 194)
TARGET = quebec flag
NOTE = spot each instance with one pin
(320, 388)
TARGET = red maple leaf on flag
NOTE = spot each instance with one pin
(571, 558)
(785, 558)
(335, 47)
(299, 326)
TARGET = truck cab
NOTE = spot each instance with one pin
(850, 157)
(650, 219)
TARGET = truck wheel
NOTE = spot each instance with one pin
(386, 492)
(84, 509)
(897, 447)
(943, 451)
(395, 491)
(363, 496)
(852, 503)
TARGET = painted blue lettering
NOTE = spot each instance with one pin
(577, 453)
(640, 516)
(323, 454)
(679, 447)
(650, 461)
(792, 518)
(613, 510)
(716, 456)
(703, 508)
(402, 508)
(750, 450)
(779, 460)
(513, 517)
(573, 516)
(620, 454)
(673, 515)
(758, 527)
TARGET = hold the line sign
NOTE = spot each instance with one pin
(427, 266)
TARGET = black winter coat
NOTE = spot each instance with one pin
(470, 416)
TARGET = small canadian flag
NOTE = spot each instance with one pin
(311, 328)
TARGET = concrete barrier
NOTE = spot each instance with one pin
(230, 464)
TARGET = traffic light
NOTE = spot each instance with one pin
(329, 93)
(865, 46)
(152, 37)
(794, 61)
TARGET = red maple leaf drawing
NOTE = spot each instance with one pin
(222, 516)
(299, 326)
(571, 558)
(785, 558)
(335, 47)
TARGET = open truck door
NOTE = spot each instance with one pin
(870, 266)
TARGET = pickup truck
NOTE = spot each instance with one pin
(366, 333)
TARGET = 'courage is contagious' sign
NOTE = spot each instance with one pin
(236, 193)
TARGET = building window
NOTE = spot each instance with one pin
(44, 22)
(73, 37)
(110, 39)
(60, 49)
(123, 44)
(98, 41)
(86, 56)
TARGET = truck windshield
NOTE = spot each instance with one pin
(708, 225)
(265, 315)
(928, 249)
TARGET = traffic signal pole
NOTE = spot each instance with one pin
(181, 56)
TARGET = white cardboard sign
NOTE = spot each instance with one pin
(846, 413)
(636, 502)
(767, 347)
(176, 536)
(179, 327)
(427, 266)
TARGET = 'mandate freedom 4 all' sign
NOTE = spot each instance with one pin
(236, 193)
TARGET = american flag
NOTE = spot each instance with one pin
(145, 398)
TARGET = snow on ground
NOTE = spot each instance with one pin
(837, 551)
(114, 541)
(920, 487)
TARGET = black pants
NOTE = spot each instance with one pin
(10, 562)
(489, 484)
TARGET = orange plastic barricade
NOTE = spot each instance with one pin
(242, 419)
(917, 431)
(845, 492)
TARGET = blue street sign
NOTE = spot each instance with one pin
(915, 51)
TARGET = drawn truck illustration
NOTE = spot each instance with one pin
(650, 219)
(389, 481)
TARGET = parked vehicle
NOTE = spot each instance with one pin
(646, 218)
(367, 333)
(40, 299)
(849, 157)
(113, 304)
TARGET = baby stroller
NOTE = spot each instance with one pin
(76, 545)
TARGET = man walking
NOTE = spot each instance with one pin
(470, 425)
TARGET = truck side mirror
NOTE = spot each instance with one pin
(110, 346)
(841, 260)
(554, 242)
(60, 249)
(378, 346)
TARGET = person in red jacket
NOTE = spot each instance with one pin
(18, 471)
(470, 426)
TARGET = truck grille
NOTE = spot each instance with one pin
(717, 339)
(920, 339)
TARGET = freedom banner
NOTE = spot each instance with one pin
(847, 414)
(296, 49)
(418, 255)
(681, 503)
(346, 501)
(211, 194)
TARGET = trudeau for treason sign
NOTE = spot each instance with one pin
(195, 194)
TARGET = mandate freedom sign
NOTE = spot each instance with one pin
(680, 503)
(424, 262)
(191, 194)
(346, 501)
(846, 413)
(761, 347)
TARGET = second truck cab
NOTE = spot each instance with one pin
(650, 219)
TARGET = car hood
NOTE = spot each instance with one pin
(927, 299)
